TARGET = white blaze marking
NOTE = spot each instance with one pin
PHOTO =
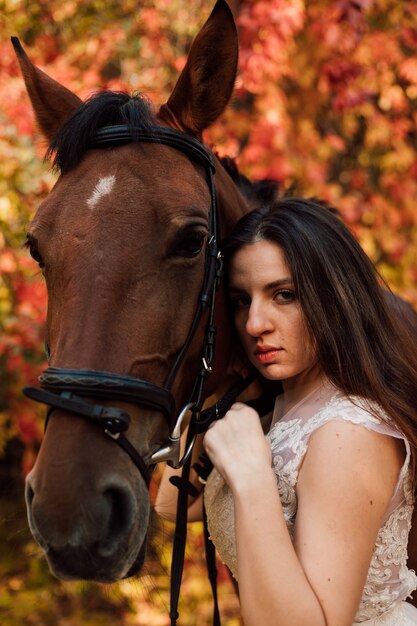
(103, 188)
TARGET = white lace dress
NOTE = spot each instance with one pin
(389, 582)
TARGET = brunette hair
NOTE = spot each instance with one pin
(363, 339)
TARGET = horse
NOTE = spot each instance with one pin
(124, 241)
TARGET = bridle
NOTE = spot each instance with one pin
(66, 388)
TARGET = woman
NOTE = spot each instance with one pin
(313, 520)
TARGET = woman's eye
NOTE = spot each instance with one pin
(284, 296)
(190, 244)
(240, 302)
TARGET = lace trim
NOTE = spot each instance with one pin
(402, 614)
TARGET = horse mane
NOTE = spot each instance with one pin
(264, 191)
(257, 193)
(102, 109)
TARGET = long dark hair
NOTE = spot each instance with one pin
(363, 345)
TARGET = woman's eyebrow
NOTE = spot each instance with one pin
(286, 281)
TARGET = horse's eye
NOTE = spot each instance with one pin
(189, 244)
(32, 245)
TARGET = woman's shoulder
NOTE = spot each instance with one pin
(353, 423)
(350, 424)
(361, 411)
(325, 408)
(354, 408)
(336, 406)
(326, 402)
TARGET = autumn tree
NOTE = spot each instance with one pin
(325, 102)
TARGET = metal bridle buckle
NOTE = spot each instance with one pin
(114, 436)
(171, 452)
(206, 366)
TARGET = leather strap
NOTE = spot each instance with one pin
(110, 386)
(122, 134)
(109, 418)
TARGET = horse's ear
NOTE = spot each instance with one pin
(206, 82)
(52, 103)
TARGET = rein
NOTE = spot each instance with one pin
(66, 388)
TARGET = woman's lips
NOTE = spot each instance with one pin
(266, 354)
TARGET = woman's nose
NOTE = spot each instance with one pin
(258, 321)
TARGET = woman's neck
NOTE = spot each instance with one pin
(300, 386)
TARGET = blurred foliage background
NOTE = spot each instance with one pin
(325, 102)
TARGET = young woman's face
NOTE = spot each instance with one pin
(268, 316)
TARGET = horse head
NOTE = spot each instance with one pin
(123, 241)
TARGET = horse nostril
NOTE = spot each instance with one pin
(121, 508)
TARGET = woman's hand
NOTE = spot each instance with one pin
(237, 446)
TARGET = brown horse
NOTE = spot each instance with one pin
(123, 240)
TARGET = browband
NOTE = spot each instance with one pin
(121, 134)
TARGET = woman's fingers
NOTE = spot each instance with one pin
(237, 443)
